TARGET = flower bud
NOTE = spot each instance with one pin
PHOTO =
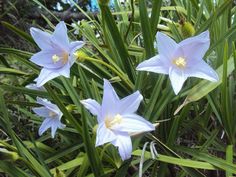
(59, 173)
(8, 155)
(186, 29)
(80, 55)
(71, 107)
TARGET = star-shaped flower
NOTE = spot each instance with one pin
(56, 55)
(52, 115)
(181, 60)
(117, 119)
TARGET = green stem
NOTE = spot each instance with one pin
(121, 75)
(229, 157)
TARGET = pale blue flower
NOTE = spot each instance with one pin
(56, 55)
(181, 60)
(117, 119)
(51, 114)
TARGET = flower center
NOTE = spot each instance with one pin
(109, 122)
(63, 58)
(52, 114)
(180, 62)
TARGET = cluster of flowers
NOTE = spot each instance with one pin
(117, 118)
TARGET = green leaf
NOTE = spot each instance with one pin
(91, 151)
(19, 32)
(219, 11)
(4, 70)
(156, 9)
(216, 162)
(12, 170)
(68, 165)
(119, 45)
(146, 29)
(204, 87)
(178, 161)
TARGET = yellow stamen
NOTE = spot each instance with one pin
(180, 62)
(65, 57)
(109, 122)
(52, 114)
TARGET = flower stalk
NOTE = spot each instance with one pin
(121, 75)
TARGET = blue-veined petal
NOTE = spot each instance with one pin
(154, 64)
(110, 100)
(124, 144)
(48, 105)
(93, 106)
(55, 124)
(166, 46)
(104, 135)
(60, 36)
(42, 39)
(194, 48)
(45, 76)
(76, 45)
(177, 78)
(133, 123)
(41, 111)
(202, 70)
(65, 70)
(73, 47)
(44, 126)
(130, 103)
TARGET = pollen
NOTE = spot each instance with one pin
(180, 62)
(110, 122)
(65, 57)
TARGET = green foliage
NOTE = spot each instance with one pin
(195, 132)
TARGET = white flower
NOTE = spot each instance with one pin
(52, 115)
(117, 119)
(181, 60)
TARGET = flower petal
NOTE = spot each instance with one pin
(34, 87)
(60, 36)
(76, 45)
(46, 75)
(130, 103)
(133, 123)
(55, 125)
(166, 46)
(124, 144)
(93, 106)
(154, 64)
(194, 48)
(41, 111)
(49, 106)
(109, 101)
(65, 70)
(104, 135)
(202, 70)
(177, 78)
(73, 47)
(44, 59)
(43, 39)
(44, 126)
